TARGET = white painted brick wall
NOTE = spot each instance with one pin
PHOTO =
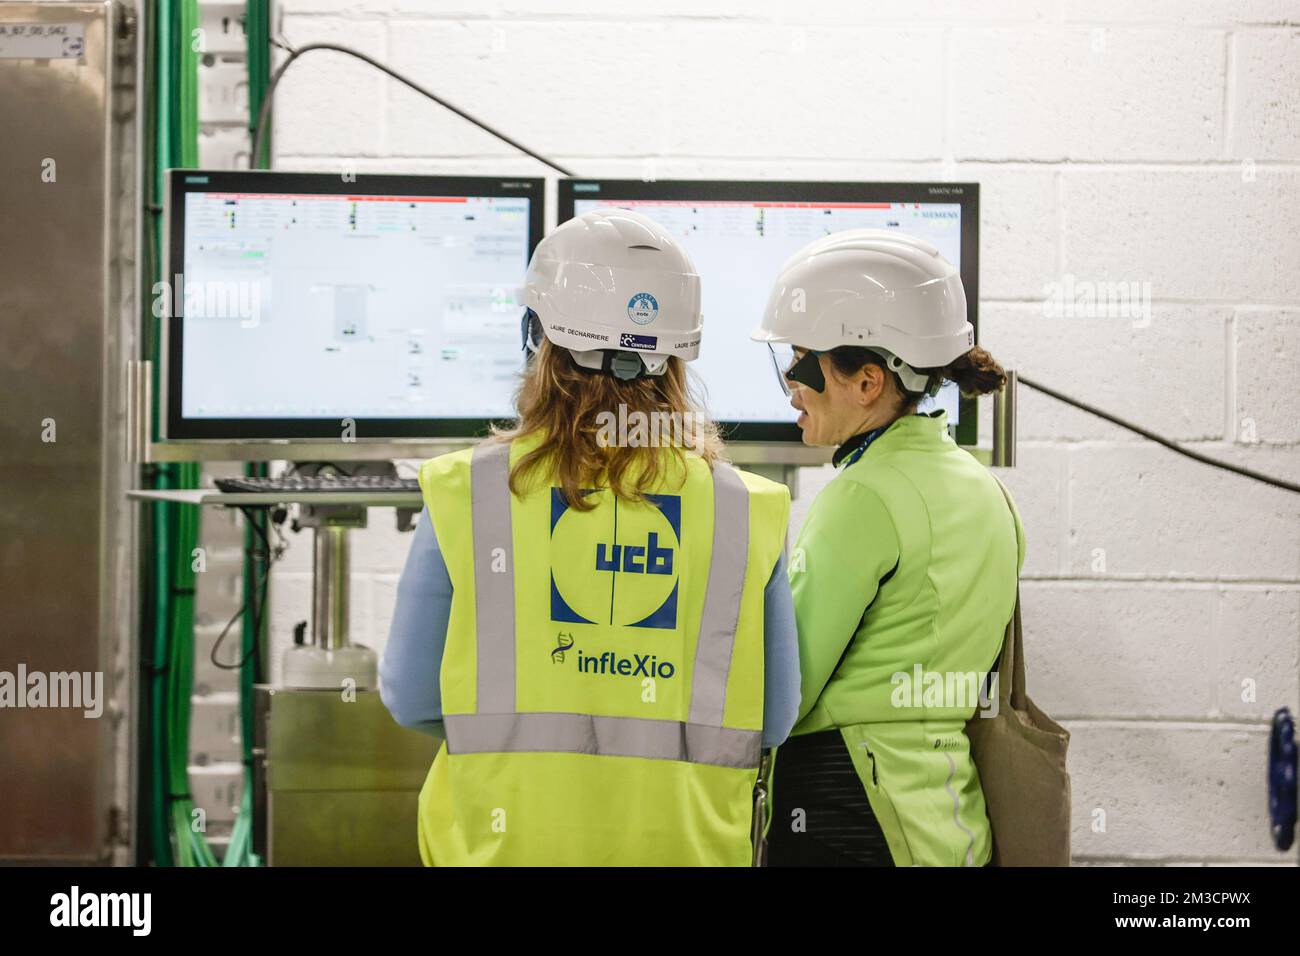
(1148, 141)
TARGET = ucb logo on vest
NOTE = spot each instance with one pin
(650, 559)
(615, 564)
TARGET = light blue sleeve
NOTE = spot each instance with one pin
(780, 658)
(408, 672)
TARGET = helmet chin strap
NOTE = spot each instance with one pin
(624, 366)
(913, 381)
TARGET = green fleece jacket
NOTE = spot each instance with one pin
(904, 577)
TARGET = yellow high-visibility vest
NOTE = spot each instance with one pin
(602, 682)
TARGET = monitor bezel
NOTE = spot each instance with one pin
(174, 427)
(967, 195)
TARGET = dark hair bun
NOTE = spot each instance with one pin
(976, 373)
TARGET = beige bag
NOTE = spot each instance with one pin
(1020, 758)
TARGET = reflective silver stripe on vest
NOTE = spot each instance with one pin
(494, 588)
(717, 636)
(603, 736)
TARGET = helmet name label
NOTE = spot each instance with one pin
(584, 333)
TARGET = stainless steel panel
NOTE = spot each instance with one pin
(344, 828)
(63, 538)
(317, 741)
(341, 780)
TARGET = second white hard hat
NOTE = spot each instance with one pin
(613, 281)
(874, 288)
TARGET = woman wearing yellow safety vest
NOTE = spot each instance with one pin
(595, 613)
(904, 572)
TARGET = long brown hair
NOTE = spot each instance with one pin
(563, 402)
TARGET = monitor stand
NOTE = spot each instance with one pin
(331, 661)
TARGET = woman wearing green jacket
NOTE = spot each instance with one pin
(904, 572)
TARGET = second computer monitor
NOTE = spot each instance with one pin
(343, 307)
(739, 233)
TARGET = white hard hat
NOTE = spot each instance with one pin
(879, 289)
(612, 281)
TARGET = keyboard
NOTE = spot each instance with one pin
(294, 484)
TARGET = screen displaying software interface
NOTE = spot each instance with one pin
(339, 306)
(355, 306)
(738, 248)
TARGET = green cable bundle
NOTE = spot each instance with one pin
(257, 30)
(176, 830)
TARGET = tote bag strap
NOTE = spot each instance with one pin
(1013, 644)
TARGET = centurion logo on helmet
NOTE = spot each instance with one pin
(588, 284)
(630, 341)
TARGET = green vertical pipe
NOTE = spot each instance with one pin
(173, 133)
(185, 130)
(257, 30)
(175, 528)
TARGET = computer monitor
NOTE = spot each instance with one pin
(342, 308)
(739, 233)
